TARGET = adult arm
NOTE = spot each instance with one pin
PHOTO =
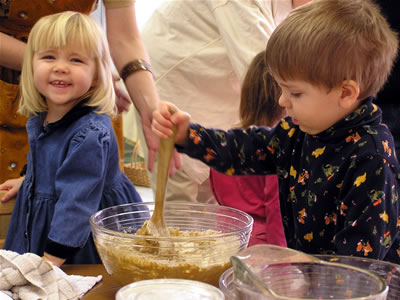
(126, 46)
(11, 52)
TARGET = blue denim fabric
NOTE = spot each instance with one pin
(73, 171)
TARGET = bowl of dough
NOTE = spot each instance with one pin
(269, 272)
(202, 238)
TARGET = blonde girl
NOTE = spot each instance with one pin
(72, 170)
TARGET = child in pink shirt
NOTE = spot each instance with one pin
(256, 195)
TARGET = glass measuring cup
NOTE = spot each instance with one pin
(288, 274)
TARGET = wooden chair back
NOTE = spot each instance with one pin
(6, 209)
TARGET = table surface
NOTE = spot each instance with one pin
(103, 290)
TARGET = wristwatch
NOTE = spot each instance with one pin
(134, 66)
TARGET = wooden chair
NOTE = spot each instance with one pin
(5, 216)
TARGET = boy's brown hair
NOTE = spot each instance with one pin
(259, 96)
(326, 42)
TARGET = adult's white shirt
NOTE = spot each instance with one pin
(200, 51)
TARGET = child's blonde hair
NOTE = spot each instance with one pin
(76, 31)
(326, 42)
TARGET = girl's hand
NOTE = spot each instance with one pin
(165, 116)
(57, 261)
(12, 186)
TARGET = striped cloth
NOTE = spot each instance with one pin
(30, 277)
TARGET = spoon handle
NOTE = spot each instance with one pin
(245, 275)
(164, 159)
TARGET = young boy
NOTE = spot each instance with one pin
(338, 173)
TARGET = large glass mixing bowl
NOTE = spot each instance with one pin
(202, 239)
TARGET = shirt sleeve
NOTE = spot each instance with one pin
(79, 186)
(369, 209)
(232, 152)
(245, 27)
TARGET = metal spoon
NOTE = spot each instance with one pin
(246, 276)
(245, 263)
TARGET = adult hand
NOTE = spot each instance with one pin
(122, 99)
(153, 144)
(12, 186)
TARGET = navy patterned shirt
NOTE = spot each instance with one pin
(338, 189)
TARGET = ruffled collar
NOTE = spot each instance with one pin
(74, 114)
(366, 114)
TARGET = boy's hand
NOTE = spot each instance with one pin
(12, 186)
(165, 116)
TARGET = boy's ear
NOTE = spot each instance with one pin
(350, 90)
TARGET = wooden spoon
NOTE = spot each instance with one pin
(155, 226)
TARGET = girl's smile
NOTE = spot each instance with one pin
(59, 84)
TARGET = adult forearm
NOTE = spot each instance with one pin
(11, 52)
(126, 46)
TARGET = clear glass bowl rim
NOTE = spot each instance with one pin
(333, 256)
(245, 218)
(384, 289)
